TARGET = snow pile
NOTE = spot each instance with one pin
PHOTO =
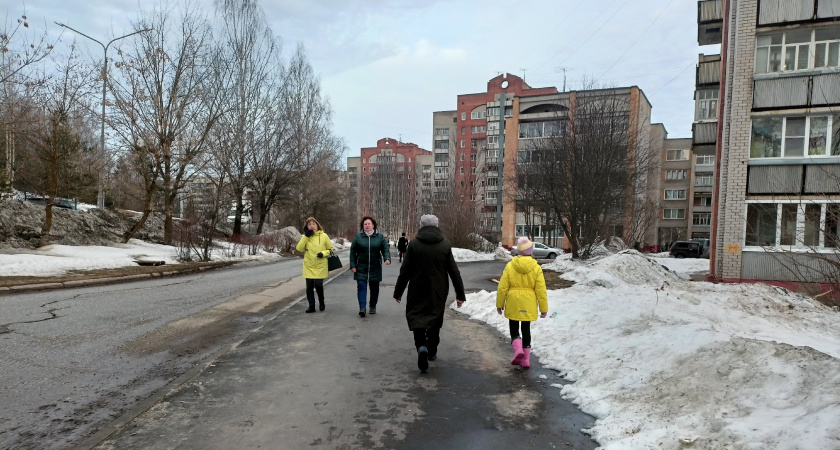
(661, 362)
(54, 260)
(464, 255)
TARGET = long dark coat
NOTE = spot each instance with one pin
(426, 270)
(367, 254)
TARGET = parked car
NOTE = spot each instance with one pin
(705, 243)
(686, 249)
(541, 251)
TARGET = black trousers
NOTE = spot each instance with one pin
(526, 332)
(316, 285)
(427, 338)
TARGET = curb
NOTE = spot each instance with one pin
(110, 280)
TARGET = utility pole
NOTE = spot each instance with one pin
(100, 197)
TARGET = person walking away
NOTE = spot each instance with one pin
(367, 251)
(428, 263)
(402, 245)
(315, 246)
(521, 292)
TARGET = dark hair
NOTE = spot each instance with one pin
(362, 223)
(403, 233)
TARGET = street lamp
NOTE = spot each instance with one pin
(100, 198)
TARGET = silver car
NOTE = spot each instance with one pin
(541, 251)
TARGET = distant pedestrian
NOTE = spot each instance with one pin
(428, 263)
(315, 246)
(402, 245)
(367, 251)
(521, 292)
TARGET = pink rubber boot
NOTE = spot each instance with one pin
(518, 354)
(526, 361)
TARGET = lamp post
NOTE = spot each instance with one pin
(100, 198)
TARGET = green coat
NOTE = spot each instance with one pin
(313, 266)
(367, 254)
(522, 290)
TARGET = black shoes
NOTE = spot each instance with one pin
(361, 312)
(432, 357)
(372, 310)
(423, 359)
(321, 305)
(310, 310)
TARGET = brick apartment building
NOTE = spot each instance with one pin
(392, 182)
(777, 140)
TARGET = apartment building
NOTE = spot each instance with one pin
(476, 130)
(775, 213)
(392, 182)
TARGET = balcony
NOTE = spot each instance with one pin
(491, 201)
(709, 22)
(708, 73)
(796, 91)
(704, 132)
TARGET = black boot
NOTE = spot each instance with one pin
(321, 305)
(362, 312)
(310, 310)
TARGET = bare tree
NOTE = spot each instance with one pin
(59, 162)
(167, 102)
(585, 167)
(251, 54)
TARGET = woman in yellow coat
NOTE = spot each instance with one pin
(315, 246)
(521, 292)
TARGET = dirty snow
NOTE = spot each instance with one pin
(666, 363)
(54, 260)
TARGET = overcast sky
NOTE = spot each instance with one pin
(386, 65)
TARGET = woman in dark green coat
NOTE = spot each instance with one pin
(368, 250)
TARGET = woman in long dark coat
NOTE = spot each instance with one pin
(368, 250)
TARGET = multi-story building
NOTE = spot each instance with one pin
(389, 181)
(675, 192)
(475, 165)
(775, 213)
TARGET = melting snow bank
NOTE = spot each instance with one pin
(665, 363)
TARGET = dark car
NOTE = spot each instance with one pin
(705, 244)
(686, 249)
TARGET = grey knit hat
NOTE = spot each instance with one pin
(428, 220)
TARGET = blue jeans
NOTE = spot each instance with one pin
(361, 289)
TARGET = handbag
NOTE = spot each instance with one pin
(333, 262)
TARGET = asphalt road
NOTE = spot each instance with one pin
(73, 360)
(334, 380)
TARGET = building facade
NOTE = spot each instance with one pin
(392, 182)
(775, 214)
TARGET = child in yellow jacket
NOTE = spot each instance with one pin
(521, 292)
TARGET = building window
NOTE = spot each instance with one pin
(463, 143)
(364, 169)
(674, 213)
(674, 194)
(702, 219)
(705, 160)
(462, 156)
(472, 157)
(409, 176)
(492, 139)
(463, 116)
(534, 130)
(797, 49)
(462, 170)
(761, 224)
(479, 129)
(472, 184)
(442, 145)
(676, 155)
(789, 137)
(703, 201)
(675, 174)
(707, 104)
(442, 132)
(463, 130)
(478, 143)
(479, 114)
(703, 179)
(364, 161)
(472, 170)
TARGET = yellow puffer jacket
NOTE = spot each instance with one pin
(313, 266)
(522, 290)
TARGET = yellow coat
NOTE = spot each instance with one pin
(522, 290)
(313, 266)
